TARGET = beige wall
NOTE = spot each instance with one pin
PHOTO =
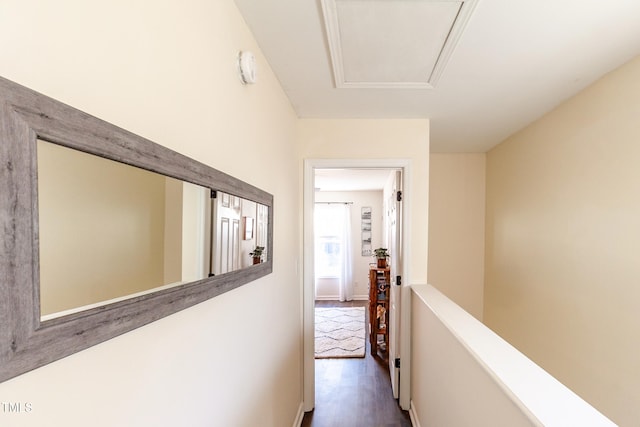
(167, 71)
(380, 139)
(101, 236)
(469, 376)
(456, 228)
(563, 238)
(173, 190)
(451, 386)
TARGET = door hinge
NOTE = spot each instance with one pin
(399, 196)
(399, 280)
(397, 363)
(214, 194)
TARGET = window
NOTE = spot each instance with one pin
(329, 238)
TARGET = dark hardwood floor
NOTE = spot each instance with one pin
(354, 392)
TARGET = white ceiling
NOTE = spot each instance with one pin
(351, 179)
(514, 61)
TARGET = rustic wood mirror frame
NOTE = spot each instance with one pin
(26, 342)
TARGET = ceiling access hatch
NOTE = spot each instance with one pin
(393, 43)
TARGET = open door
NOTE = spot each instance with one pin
(398, 337)
(393, 223)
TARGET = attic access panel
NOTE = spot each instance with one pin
(392, 43)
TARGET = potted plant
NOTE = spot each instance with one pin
(381, 254)
(257, 254)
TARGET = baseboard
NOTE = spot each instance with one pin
(413, 415)
(299, 416)
(337, 298)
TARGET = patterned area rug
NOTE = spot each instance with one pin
(339, 332)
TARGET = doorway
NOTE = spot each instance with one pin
(315, 171)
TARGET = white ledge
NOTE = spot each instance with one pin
(539, 395)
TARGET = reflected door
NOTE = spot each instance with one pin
(225, 256)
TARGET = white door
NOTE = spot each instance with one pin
(225, 256)
(393, 211)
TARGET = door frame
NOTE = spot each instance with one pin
(308, 294)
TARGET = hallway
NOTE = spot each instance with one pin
(354, 392)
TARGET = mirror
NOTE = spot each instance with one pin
(110, 231)
(104, 231)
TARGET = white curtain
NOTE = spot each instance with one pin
(346, 272)
(334, 254)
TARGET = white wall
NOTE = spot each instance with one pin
(456, 228)
(328, 288)
(249, 210)
(166, 71)
(196, 232)
(563, 238)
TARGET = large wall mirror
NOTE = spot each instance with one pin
(104, 231)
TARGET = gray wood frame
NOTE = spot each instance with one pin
(26, 342)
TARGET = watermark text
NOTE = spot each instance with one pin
(16, 407)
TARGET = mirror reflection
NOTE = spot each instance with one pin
(110, 231)
(240, 226)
